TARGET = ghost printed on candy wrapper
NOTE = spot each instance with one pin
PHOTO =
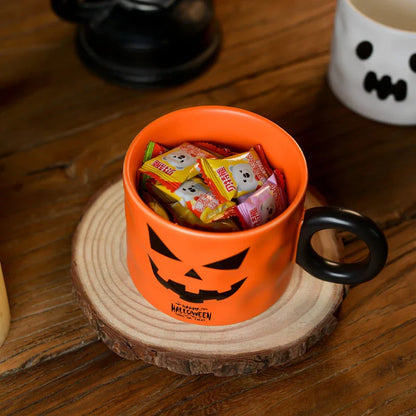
(373, 67)
(268, 209)
(244, 177)
(189, 190)
(179, 159)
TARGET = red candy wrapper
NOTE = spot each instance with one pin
(218, 150)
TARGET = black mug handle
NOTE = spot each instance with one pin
(321, 218)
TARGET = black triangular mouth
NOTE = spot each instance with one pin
(384, 86)
(199, 297)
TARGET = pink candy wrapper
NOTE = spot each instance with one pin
(264, 204)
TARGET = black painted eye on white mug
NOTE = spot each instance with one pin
(373, 59)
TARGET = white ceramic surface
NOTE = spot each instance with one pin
(373, 59)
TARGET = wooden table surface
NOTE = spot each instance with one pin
(64, 134)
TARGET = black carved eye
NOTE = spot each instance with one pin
(158, 245)
(364, 49)
(412, 62)
(230, 263)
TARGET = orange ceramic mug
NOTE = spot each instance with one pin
(212, 278)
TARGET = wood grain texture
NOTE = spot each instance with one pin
(134, 329)
(367, 366)
(64, 133)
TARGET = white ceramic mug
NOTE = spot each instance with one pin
(373, 59)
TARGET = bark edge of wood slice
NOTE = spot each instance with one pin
(134, 329)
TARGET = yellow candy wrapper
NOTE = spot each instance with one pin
(234, 176)
(152, 150)
(175, 166)
(161, 193)
(155, 205)
(196, 196)
(185, 217)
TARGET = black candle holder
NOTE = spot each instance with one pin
(149, 42)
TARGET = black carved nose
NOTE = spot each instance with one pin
(194, 274)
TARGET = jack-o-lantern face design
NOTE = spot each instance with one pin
(230, 263)
(383, 84)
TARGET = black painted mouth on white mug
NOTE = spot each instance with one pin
(385, 87)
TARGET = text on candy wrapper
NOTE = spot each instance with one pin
(163, 167)
(225, 178)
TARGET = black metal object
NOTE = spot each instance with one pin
(322, 218)
(146, 42)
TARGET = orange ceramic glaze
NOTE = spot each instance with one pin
(210, 278)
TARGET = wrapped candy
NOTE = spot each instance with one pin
(196, 196)
(264, 204)
(155, 205)
(153, 149)
(216, 149)
(185, 217)
(209, 187)
(175, 166)
(234, 176)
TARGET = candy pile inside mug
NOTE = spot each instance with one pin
(207, 186)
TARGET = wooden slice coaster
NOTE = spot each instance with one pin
(134, 329)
